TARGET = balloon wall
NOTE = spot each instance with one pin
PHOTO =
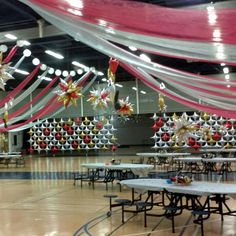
(72, 134)
(193, 130)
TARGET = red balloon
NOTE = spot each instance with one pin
(114, 148)
(87, 139)
(155, 127)
(46, 131)
(165, 137)
(70, 131)
(74, 144)
(54, 149)
(31, 150)
(216, 136)
(78, 120)
(160, 122)
(66, 127)
(99, 125)
(228, 125)
(43, 145)
(58, 136)
(196, 146)
(191, 141)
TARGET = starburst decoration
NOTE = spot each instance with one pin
(4, 75)
(99, 98)
(69, 92)
(126, 108)
(183, 130)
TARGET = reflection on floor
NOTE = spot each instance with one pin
(40, 200)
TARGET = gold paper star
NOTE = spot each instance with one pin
(69, 93)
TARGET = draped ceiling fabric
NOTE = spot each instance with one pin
(43, 107)
(196, 34)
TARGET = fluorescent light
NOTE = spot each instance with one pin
(100, 73)
(75, 63)
(228, 86)
(10, 36)
(118, 85)
(54, 54)
(222, 64)
(23, 72)
(145, 57)
(227, 76)
(104, 79)
(143, 92)
(134, 88)
(45, 78)
(132, 48)
(226, 70)
(26, 43)
(22, 43)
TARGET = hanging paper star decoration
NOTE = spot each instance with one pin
(4, 75)
(8, 105)
(111, 72)
(99, 98)
(126, 108)
(69, 92)
(161, 103)
(183, 130)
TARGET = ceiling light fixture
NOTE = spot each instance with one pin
(227, 76)
(58, 72)
(35, 61)
(3, 48)
(119, 85)
(22, 43)
(27, 53)
(43, 67)
(100, 73)
(134, 88)
(45, 78)
(65, 73)
(145, 57)
(10, 36)
(79, 71)
(226, 70)
(51, 71)
(132, 48)
(54, 54)
(72, 73)
(23, 72)
(75, 63)
(143, 92)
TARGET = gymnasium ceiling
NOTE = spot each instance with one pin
(22, 21)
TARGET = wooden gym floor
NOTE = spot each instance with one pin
(40, 200)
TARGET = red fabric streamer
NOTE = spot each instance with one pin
(10, 54)
(34, 100)
(195, 105)
(149, 19)
(13, 93)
